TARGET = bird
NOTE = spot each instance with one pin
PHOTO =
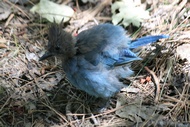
(96, 59)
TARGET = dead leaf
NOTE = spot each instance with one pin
(3, 40)
(183, 51)
(31, 56)
(3, 46)
(127, 12)
(135, 111)
(5, 10)
(30, 106)
(52, 11)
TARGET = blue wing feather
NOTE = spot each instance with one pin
(108, 44)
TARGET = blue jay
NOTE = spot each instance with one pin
(97, 58)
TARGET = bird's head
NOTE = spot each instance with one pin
(61, 43)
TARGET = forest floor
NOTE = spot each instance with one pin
(36, 93)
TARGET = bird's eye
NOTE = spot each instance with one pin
(57, 48)
(66, 49)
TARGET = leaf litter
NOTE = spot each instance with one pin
(37, 93)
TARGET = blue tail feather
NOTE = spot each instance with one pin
(145, 40)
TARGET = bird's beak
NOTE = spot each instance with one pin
(45, 56)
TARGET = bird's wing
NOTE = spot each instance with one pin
(108, 44)
(93, 42)
(125, 54)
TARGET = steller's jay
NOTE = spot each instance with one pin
(97, 58)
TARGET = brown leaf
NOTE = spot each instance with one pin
(3, 46)
(5, 10)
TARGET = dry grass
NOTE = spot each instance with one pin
(34, 93)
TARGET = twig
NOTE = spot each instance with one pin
(8, 20)
(156, 82)
(59, 114)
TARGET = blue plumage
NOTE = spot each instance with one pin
(97, 58)
(145, 40)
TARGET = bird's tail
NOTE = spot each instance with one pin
(146, 40)
(128, 55)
